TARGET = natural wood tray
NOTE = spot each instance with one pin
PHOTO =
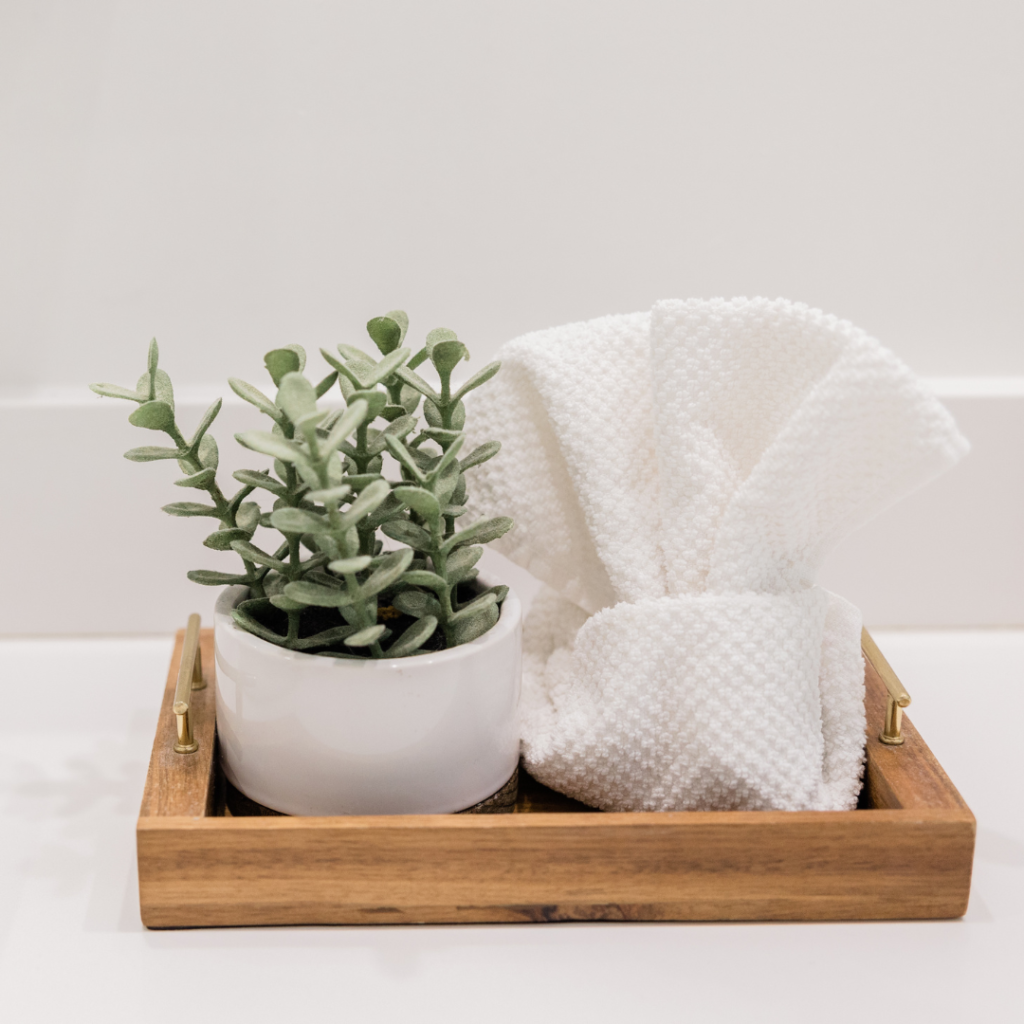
(905, 853)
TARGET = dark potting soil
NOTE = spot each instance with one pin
(316, 620)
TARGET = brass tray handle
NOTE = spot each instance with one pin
(898, 698)
(190, 677)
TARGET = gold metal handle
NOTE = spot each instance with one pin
(898, 698)
(190, 677)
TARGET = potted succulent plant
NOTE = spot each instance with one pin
(351, 678)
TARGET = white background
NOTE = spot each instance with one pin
(232, 176)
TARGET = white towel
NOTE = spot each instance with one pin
(676, 479)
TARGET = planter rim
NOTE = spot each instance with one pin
(508, 619)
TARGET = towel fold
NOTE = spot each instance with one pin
(676, 478)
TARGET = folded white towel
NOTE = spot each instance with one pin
(676, 479)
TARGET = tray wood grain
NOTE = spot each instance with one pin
(907, 852)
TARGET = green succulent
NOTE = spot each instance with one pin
(329, 587)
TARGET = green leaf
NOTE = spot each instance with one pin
(391, 568)
(447, 459)
(336, 363)
(366, 637)
(445, 485)
(392, 412)
(400, 452)
(330, 494)
(413, 638)
(375, 401)
(221, 540)
(254, 554)
(309, 423)
(470, 628)
(456, 417)
(445, 355)
(417, 604)
(351, 370)
(282, 361)
(365, 503)
(420, 357)
(190, 508)
(209, 454)
(149, 453)
(482, 377)
(116, 391)
(409, 533)
(251, 625)
(324, 579)
(317, 595)
(163, 390)
(328, 421)
(410, 398)
(481, 454)
(360, 481)
(385, 332)
(479, 533)
(273, 445)
(248, 517)
(458, 496)
(255, 397)
(326, 384)
(439, 335)
(400, 428)
(204, 425)
(255, 478)
(296, 520)
(423, 578)
(401, 318)
(354, 354)
(420, 500)
(432, 414)
(440, 435)
(209, 578)
(476, 605)
(328, 636)
(463, 559)
(286, 604)
(344, 566)
(296, 396)
(414, 380)
(153, 416)
(311, 563)
(384, 369)
(385, 511)
(352, 418)
(203, 479)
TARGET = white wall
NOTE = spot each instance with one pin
(231, 176)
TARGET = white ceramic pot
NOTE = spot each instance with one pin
(428, 734)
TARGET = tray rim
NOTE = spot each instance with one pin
(916, 810)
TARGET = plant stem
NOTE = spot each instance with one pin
(225, 510)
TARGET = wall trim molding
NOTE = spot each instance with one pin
(90, 552)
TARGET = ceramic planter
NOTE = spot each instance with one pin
(428, 734)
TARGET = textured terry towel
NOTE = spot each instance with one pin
(676, 478)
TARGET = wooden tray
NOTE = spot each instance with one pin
(906, 852)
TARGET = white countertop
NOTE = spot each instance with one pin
(72, 947)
